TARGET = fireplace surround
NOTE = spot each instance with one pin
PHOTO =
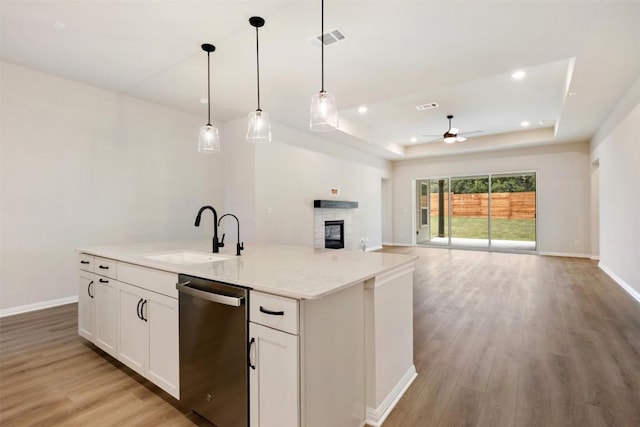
(333, 210)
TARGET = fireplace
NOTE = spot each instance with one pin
(334, 234)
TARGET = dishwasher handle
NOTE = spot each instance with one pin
(209, 296)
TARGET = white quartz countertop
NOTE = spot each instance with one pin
(292, 271)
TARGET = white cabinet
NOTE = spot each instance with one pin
(309, 360)
(105, 292)
(274, 370)
(129, 320)
(148, 336)
(133, 333)
(86, 311)
(273, 378)
(97, 305)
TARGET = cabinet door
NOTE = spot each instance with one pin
(164, 366)
(274, 383)
(133, 336)
(86, 319)
(106, 314)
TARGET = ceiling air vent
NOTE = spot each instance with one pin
(427, 106)
(330, 37)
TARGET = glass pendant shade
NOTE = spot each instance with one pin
(259, 129)
(209, 139)
(324, 112)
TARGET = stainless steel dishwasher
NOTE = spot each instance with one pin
(213, 350)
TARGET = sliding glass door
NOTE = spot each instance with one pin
(487, 211)
(432, 211)
(513, 211)
(470, 211)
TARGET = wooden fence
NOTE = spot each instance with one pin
(503, 205)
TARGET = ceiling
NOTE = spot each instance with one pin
(580, 58)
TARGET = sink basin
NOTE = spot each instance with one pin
(188, 257)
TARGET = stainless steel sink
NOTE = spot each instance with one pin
(188, 257)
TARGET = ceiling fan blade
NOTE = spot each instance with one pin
(453, 130)
(437, 138)
(460, 138)
(467, 133)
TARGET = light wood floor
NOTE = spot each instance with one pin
(500, 340)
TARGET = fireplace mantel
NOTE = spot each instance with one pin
(335, 204)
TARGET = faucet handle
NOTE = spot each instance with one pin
(239, 247)
(221, 244)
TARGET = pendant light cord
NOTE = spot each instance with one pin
(209, 88)
(258, 67)
(322, 44)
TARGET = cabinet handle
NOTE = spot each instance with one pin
(251, 343)
(103, 281)
(142, 310)
(104, 267)
(84, 262)
(138, 309)
(89, 289)
(273, 313)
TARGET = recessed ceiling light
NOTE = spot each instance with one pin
(362, 109)
(413, 139)
(518, 74)
(60, 26)
(524, 124)
(573, 93)
(204, 101)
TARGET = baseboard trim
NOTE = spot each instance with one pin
(37, 306)
(374, 248)
(565, 254)
(624, 285)
(595, 257)
(375, 417)
(398, 244)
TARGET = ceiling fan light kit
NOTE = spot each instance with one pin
(452, 134)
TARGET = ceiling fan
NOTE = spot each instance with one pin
(453, 134)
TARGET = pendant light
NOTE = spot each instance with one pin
(324, 112)
(209, 139)
(259, 129)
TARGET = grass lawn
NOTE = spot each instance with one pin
(501, 229)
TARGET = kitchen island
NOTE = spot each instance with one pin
(347, 339)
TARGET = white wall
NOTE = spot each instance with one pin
(618, 153)
(292, 171)
(82, 166)
(387, 210)
(595, 211)
(563, 190)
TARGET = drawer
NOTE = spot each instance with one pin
(151, 279)
(105, 267)
(273, 311)
(86, 262)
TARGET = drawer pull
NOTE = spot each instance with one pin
(104, 281)
(104, 267)
(84, 262)
(273, 313)
(251, 343)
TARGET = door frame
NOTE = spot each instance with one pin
(490, 248)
